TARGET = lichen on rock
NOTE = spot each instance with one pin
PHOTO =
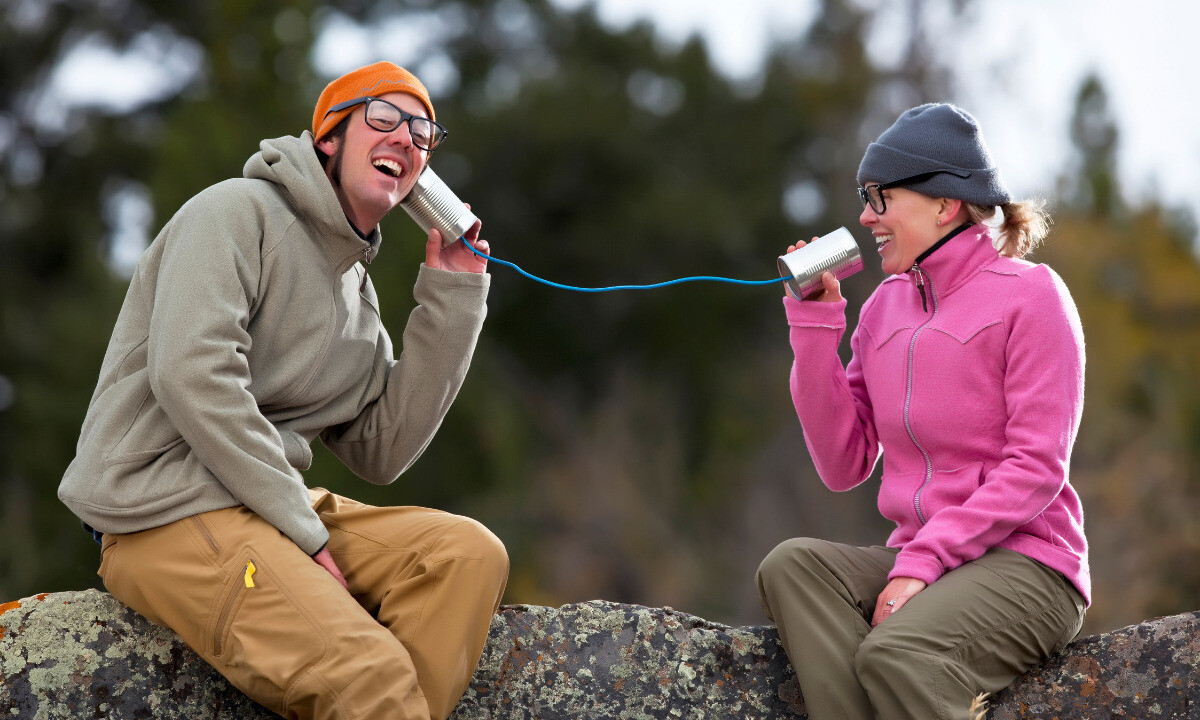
(83, 654)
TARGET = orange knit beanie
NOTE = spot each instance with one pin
(375, 80)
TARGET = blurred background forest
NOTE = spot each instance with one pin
(635, 447)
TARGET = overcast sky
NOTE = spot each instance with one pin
(1019, 64)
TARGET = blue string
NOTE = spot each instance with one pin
(553, 284)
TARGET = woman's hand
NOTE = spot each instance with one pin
(833, 288)
(899, 591)
(457, 257)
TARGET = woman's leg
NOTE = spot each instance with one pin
(974, 630)
(821, 595)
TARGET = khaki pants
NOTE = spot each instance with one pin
(974, 630)
(402, 643)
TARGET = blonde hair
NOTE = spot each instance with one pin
(1025, 224)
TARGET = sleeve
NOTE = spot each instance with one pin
(831, 401)
(208, 281)
(418, 388)
(1043, 390)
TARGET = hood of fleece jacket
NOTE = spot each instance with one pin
(291, 162)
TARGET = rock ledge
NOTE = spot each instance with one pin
(82, 654)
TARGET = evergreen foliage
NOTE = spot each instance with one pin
(636, 446)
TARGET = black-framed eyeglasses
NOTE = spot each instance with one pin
(873, 194)
(383, 116)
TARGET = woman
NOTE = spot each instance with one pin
(967, 372)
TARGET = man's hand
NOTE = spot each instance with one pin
(899, 591)
(325, 560)
(456, 257)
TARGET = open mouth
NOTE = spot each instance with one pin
(881, 241)
(388, 167)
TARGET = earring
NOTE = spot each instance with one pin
(939, 222)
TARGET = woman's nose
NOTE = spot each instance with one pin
(867, 217)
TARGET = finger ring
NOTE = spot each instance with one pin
(890, 603)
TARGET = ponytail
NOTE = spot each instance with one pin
(1023, 228)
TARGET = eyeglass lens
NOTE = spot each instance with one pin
(385, 117)
(872, 195)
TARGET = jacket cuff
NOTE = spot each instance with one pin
(810, 313)
(452, 279)
(311, 541)
(923, 568)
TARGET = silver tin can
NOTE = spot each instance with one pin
(432, 204)
(836, 252)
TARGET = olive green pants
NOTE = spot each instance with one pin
(974, 630)
(402, 643)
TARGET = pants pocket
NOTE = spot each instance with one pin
(1072, 600)
(108, 547)
(258, 636)
(236, 590)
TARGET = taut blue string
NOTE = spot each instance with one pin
(553, 284)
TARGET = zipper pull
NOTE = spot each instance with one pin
(365, 261)
(921, 288)
(249, 577)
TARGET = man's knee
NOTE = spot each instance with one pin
(472, 540)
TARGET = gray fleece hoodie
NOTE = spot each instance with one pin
(249, 329)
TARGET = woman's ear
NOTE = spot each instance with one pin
(949, 209)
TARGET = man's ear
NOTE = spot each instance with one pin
(328, 145)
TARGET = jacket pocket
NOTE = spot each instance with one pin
(150, 435)
(896, 494)
(950, 488)
(296, 449)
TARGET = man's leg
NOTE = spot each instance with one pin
(974, 630)
(821, 595)
(433, 579)
(266, 616)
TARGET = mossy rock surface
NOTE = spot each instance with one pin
(83, 654)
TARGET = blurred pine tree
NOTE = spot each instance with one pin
(635, 446)
(1137, 461)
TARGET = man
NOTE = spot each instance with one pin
(250, 328)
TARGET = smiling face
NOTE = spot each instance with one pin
(372, 171)
(911, 224)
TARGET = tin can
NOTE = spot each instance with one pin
(432, 204)
(836, 252)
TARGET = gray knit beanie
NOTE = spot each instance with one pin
(936, 138)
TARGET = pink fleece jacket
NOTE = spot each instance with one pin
(974, 397)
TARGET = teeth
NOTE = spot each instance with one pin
(391, 167)
(881, 240)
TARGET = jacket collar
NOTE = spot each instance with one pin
(959, 256)
(292, 163)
